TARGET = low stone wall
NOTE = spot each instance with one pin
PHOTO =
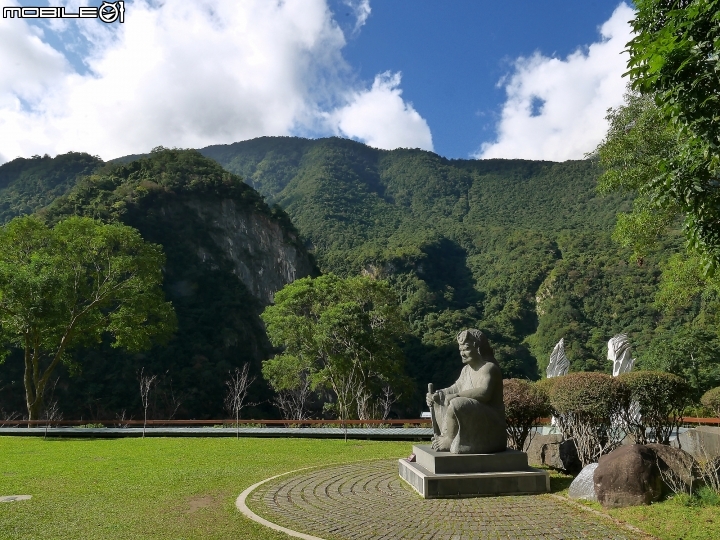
(702, 442)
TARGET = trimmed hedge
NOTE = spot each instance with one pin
(587, 408)
(592, 394)
(525, 402)
(711, 400)
(661, 398)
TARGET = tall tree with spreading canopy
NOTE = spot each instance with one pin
(68, 286)
(674, 60)
(344, 333)
(663, 146)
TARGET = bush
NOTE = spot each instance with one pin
(711, 400)
(587, 407)
(525, 402)
(547, 385)
(661, 398)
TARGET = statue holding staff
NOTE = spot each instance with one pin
(470, 415)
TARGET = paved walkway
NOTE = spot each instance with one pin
(369, 501)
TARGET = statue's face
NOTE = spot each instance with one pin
(468, 352)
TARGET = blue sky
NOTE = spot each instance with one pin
(464, 79)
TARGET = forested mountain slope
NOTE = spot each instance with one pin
(519, 248)
(227, 253)
(26, 185)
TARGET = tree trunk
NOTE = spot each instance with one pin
(34, 410)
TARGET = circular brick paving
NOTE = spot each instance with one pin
(368, 500)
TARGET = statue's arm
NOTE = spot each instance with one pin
(454, 389)
(444, 395)
(485, 390)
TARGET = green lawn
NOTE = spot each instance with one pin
(669, 519)
(171, 488)
(672, 520)
(180, 488)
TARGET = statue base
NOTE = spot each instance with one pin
(437, 475)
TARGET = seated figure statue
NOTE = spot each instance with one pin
(469, 416)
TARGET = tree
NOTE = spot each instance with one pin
(71, 285)
(237, 390)
(673, 59)
(637, 142)
(661, 398)
(146, 384)
(290, 378)
(525, 402)
(638, 155)
(711, 400)
(688, 351)
(344, 333)
(587, 407)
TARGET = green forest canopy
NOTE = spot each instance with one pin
(520, 249)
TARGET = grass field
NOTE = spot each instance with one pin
(672, 519)
(186, 488)
(152, 488)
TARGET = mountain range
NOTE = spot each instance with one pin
(519, 249)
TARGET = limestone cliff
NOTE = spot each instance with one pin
(264, 256)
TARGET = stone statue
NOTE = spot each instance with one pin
(619, 353)
(469, 416)
(559, 363)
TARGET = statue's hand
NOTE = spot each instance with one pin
(435, 397)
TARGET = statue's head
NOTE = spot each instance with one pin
(475, 345)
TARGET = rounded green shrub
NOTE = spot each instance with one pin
(587, 408)
(525, 402)
(661, 398)
(595, 395)
(547, 385)
(711, 400)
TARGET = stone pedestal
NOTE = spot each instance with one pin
(438, 475)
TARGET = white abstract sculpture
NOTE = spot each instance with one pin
(619, 353)
(559, 363)
(558, 366)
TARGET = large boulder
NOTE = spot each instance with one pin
(551, 451)
(628, 476)
(583, 487)
(678, 469)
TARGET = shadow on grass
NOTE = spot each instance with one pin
(559, 481)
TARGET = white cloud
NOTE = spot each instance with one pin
(381, 118)
(361, 9)
(185, 74)
(555, 109)
(28, 64)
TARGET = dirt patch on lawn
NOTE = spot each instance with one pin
(197, 502)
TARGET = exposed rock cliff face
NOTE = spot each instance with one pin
(264, 256)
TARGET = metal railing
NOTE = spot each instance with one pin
(410, 422)
(403, 422)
